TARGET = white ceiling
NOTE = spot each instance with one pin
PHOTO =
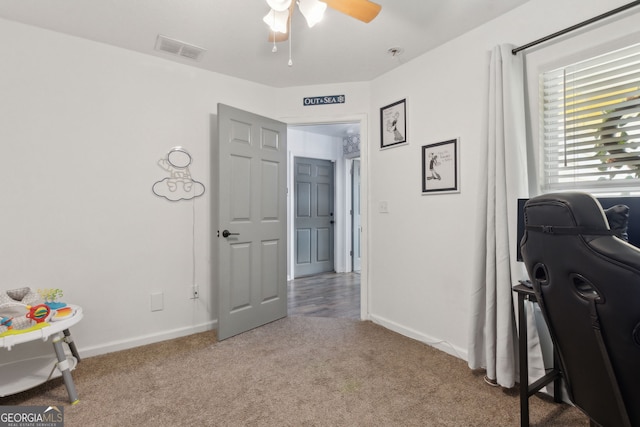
(338, 49)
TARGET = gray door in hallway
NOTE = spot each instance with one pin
(251, 234)
(314, 219)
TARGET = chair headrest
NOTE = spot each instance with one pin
(566, 213)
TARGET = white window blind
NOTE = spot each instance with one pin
(591, 125)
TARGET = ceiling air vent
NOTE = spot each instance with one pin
(176, 47)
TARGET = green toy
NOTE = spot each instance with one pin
(50, 297)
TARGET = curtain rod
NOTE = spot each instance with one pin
(575, 27)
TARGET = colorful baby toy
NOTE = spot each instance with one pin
(7, 321)
(51, 297)
(38, 313)
(22, 310)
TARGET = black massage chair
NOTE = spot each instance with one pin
(587, 282)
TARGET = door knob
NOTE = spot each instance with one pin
(227, 233)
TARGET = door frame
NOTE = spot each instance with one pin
(355, 234)
(344, 226)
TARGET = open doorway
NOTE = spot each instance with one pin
(335, 295)
(338, 143)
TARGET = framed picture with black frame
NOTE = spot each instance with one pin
(393, 124)
(441, 167)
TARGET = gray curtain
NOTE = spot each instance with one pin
(492, 333)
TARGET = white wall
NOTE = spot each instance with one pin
(82, 127)
(421, 257)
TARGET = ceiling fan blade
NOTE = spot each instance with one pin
(363, 10)
(281, 37)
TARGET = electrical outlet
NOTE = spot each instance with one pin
(195, 292)
(157, 301)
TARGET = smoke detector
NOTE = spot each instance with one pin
(179, 48)
(395, 51)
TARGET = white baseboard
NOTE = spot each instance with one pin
(213, 324)
(440, 344)
(112, 346)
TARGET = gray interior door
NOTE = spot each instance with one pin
(313, 223)
(252, 248)
(356, 226)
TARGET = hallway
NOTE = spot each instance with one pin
(325, 295)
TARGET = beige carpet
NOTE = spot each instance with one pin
(298, 371)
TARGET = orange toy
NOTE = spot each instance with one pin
(62, 313)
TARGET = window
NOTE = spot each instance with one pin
(591, 123)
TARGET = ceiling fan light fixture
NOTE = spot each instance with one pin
(279, 5)
(277, 21)
(312, 10)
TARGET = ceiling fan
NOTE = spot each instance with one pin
(279, 17)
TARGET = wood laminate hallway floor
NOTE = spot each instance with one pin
(325, 295)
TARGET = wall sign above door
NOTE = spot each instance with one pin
(322, 100)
